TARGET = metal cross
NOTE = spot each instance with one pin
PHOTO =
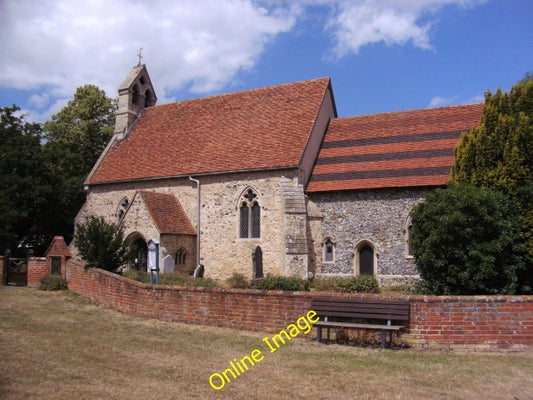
(140, 55)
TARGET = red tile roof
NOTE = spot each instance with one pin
(167, 213)
(58, 247)
(254, 129)
(397, 149)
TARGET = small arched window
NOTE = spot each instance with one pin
(410, 248)
(329, 250)
(122, 207)
(135, 95)
(181, 256)
(147, 98)
(250, 215)
(408, 230)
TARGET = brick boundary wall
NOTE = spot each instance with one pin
(445, 322)
(37, 268)
(471, 322)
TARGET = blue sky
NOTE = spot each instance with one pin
(382, 55)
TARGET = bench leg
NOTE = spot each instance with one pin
(319, 334)
(383, 339)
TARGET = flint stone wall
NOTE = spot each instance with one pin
(379, 217)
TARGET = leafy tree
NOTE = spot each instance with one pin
(101, 244)
(499, 155)
(527, 77)
(466, 240)
(75, 138)
(25, 182)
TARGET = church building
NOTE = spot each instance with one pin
(271, 181)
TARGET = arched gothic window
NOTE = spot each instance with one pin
(250, 215)
(122, 207)
(181, 256)
(329, 250)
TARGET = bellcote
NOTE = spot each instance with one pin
(134, 95)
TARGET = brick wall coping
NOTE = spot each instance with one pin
(476, 298)
(312, 293)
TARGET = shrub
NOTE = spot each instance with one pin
(136, 275)
(237, 281)
(52, 282)
(101, 244)
(178, 279)
(467, 240)
(324, 284)
(171, 279)
(288, 283)
(357, 284)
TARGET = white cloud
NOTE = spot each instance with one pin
(35, 115)
(51, 47)
(393, 22)
(476, 99)
(62, 44)
(439, 101)
(39, 100)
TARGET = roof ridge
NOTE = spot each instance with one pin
(237, 92)
(410, 110)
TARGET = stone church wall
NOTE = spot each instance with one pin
(379, 217)
(222, 252)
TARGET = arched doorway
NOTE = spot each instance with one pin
(365, 259)
(139, 249)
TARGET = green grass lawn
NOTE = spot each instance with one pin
(56, 345)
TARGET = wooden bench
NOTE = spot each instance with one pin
(360, 314)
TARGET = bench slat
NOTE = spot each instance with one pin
(360, 301)
(392, 317)
(361, 326)
(360, 307)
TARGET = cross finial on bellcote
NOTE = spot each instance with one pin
(140, 55)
